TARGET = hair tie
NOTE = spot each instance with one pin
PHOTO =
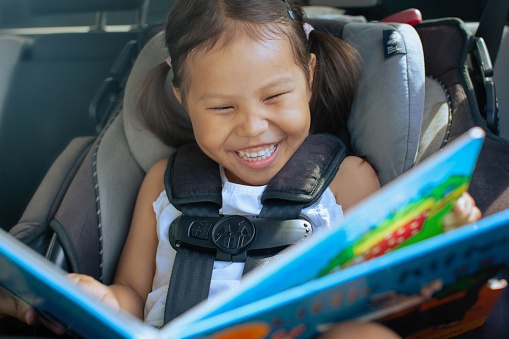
(307, 29)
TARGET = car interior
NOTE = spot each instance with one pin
(72, 71)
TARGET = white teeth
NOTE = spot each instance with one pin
(263, 154)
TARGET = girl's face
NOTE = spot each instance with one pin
(249, 106)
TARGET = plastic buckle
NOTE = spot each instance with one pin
(232, 236)
(484, 62)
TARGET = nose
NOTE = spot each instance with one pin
(252, 122)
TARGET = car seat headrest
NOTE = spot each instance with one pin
(386, 118)
(146, 148)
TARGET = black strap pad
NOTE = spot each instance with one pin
(193, 179)
(304, 177)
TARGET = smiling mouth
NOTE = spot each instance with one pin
(257, 155)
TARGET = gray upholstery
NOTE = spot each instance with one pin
(144, 145)
(386, 119)
(119, 177)
(49, 194)
(435, 120)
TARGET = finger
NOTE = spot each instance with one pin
(54, 326)
(474, 215)
(14, 307)
(96, 289)
(462, 208)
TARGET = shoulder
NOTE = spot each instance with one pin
(354, 181)
(153, 183)
(158, 169)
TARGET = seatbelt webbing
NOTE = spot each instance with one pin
(195, 268)
(254, 261)
(491, 25)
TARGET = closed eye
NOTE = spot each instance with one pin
(274, 97)
(221, 108)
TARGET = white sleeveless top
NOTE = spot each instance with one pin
(237, 199)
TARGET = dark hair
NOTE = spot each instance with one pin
(196, 26)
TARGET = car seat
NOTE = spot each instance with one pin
(124, 152)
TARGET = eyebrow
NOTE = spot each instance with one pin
(275, 82)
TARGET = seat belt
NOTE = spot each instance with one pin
(201, 235)
(491, 25)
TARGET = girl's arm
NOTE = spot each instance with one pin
(355, 180)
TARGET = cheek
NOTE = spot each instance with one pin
(207, 130)
(300, 120)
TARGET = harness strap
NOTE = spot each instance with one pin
(193, 183)
(194, 268)
(193, 186)
(302, 180)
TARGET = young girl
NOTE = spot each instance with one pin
(255, 81)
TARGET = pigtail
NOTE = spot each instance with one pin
(335, 83)
(160, 111)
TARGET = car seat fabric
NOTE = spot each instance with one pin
(386, 117)
(144, 145)
(118, 178)
(436, 118)
(50, 193)
(446, 44)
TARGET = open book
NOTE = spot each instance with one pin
(363, 269)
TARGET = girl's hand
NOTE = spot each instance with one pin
(14, 307)
(102, 292)
(464, 212)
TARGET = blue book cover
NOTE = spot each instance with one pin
(351, 272)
